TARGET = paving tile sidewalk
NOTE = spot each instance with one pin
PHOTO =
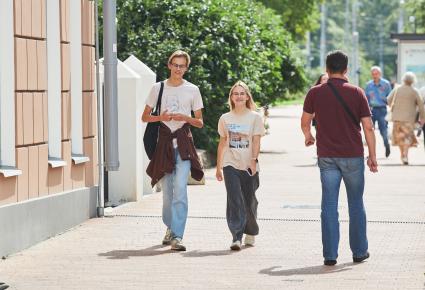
(123, 251)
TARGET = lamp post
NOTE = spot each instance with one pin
(400, 24)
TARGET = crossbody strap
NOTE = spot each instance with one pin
(344, 104)
(158, 103)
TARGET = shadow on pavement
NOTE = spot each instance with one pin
(283, 117)
(306, 165)
(401, 165)
(201, 254)
(148, 252)
(315, 270)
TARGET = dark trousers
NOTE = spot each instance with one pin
(241, 213)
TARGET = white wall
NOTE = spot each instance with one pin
(131, 182)
(123, 183)
(147, 80)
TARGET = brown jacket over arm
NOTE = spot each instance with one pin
(163, 160)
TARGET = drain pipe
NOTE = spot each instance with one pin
(100, 187)
(110, 85)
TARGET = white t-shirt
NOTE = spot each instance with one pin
(182, 99)
(239, 130)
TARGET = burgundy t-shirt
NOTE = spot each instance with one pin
(337, 135)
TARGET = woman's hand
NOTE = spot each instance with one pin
(253, 166)
(219, 174)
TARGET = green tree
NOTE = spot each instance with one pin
(374, 18)
(298, 17)
(416, 8)
(227, 40)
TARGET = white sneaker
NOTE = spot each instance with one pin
(235, 246)
(249, 240)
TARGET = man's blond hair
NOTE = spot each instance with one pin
(180, 53)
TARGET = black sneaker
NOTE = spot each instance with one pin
(3, 286)
(361, 259)
(329, 262)
(387, 151)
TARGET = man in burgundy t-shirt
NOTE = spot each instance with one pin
(337, 134)
(340, 153)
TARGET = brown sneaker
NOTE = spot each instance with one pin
(167, 238)
(177, 245)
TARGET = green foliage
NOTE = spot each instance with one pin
(298, 16)
(228, 41)
(374, 18)
(416, 8)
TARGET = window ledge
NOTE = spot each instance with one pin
(79, 158)
(9, 171)
(56, 162)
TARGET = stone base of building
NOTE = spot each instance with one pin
(26, 223)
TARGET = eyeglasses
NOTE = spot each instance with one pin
(236, 94)
(178, 66)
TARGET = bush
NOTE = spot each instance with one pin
(228, 40)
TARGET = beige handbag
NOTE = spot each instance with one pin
(389, 116)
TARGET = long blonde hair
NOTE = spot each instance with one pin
(249, 103)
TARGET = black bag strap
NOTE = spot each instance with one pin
(158, 103)
(344, 104)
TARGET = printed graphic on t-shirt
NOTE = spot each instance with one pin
(172, 104)
(238, 136)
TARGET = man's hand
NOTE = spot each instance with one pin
(219, 174)
(179, 117)
(165, 116)
(309, 140)
(372, 164)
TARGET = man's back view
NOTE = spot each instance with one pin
(339, 108)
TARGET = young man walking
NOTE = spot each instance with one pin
(339, 108)
(377, 91)
(175, 155)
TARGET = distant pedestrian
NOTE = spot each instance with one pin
(323, 78)
(237, 158)
(339, 108)
(404, 102)
(377, 91)
(175, 155)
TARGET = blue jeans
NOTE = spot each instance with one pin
(175, 204)
(351, 170)
(378, 115)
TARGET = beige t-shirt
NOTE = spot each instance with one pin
(239, 130)
(181, 99)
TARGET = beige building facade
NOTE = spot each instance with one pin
(48, 119)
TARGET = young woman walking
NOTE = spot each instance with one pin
(237, 159)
